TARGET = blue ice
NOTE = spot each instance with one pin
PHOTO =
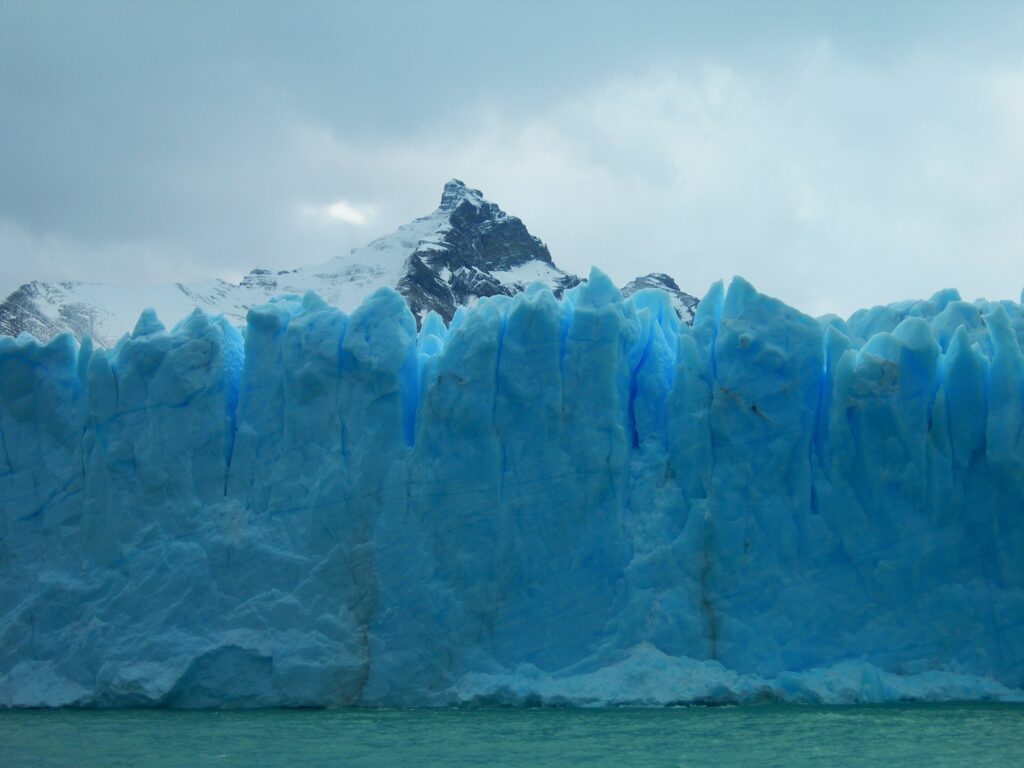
(564, 501)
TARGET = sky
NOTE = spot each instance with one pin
(837, 155)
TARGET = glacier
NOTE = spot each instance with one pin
(575, 500)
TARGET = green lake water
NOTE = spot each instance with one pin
(772, 735)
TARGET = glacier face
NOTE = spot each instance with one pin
(572, 500)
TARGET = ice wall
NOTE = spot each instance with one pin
(548, 501)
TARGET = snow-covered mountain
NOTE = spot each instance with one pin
(465, 249)
(685, 304)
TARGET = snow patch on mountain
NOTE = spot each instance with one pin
(684, 304)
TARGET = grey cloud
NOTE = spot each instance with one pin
(143, 141)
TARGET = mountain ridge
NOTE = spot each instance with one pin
(466, 249)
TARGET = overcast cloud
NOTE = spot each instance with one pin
(834, 158)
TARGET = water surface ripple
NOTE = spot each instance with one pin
(933, 735)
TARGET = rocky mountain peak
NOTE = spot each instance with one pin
(455, 193)
(478, 250)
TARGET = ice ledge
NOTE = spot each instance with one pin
(646, 677)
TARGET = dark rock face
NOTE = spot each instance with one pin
(482, 239)
(261, 278)
(21, 311)
(18, 314)
(484, 242)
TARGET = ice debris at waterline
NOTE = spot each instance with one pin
(575, 501)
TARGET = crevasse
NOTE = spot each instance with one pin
(567, 501)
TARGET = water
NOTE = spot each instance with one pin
(791, 736)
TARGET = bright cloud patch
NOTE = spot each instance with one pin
(338, 212)
(349, 214)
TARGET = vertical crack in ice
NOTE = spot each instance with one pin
(633, 375)
(502, 448)
(233, 360)
(502, 324)
(343, 424)
(706, 606)
(708, 538)
(566, 310)
(80, 399)
(409, 392)
(8, 467)
(814, 449)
